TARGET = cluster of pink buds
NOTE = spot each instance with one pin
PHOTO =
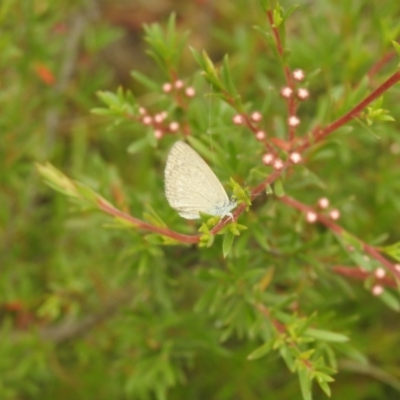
(157, 121)
(377, 289)
(260, 134)
(272, 160)
(178, 85)
(323, 204)
(255, 117)
(300, 93)
(380, 273)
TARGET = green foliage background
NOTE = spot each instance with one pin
(90, 310)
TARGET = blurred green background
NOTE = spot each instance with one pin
(92, 312)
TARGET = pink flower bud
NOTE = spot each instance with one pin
(298, 75)
(260, 135)
(334, 214)
(158, 118)
(278, 164)
(323, 202)
(167, 87)
(268, 159)
(286, 92)
(256, 116)
(377, 290)
(293, 121)
(173, 126)
(311, 217)
(302, 93)
(190, 92)
(179, 84)
(380, 273)
(237, 119)
(147, 120)
(295, 158)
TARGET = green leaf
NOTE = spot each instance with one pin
(165, 46)
(5, 7)
(287, 13)
(150, 84)
(265, 4)
(206, 239)
(138, 145)
(277, 16)
(287, 357)
(326, 336)
(354, 248)
(322, 380)
(305, 383)
(393, 250)
(227, 243)
(227, 78)
(261, 351)
(396, 46)
(152, 216)
(278, 188)
(390, 300)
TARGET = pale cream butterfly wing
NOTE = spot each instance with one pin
(192, 187)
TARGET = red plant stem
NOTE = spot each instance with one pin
(281, 328)
(359, 274)
(289, 81)
(279, 47)
(381, 63)
(372, 251)
(320, 134)
(255, 192)
(264, 310)
(109, 209)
